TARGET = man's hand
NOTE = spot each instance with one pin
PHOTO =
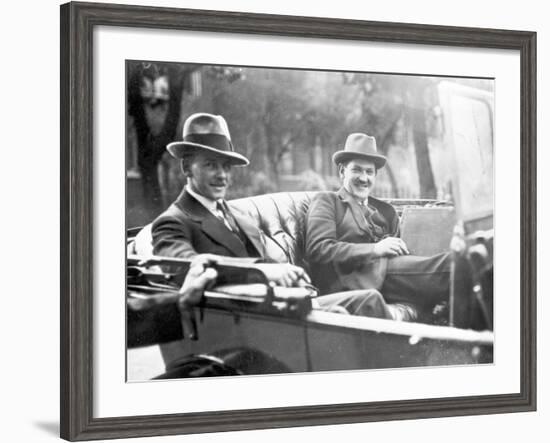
(390, 247)
(284, 274)
(197, 278)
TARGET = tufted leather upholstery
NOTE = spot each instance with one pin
(282, 216)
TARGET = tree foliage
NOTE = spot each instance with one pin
(279, 117)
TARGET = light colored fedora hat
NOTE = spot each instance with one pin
(207, 132)
(360, 145)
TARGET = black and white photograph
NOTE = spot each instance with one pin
(282, 220)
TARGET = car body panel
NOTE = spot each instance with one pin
(320, 341)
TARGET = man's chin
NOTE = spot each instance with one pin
(218, 193)
(361, 194)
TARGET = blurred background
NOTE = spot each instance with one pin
(290, 122)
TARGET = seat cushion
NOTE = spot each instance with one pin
(282, 217)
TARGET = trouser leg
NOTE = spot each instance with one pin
(365, 302)
(418, 280)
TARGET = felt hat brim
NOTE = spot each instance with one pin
(179, 149)
(345, 156)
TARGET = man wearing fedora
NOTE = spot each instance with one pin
(352, 238)
(201, 222)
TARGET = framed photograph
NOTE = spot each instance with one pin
(291, 221)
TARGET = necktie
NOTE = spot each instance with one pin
(228, 218)
(376, 221)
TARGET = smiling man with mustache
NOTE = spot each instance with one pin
(352, 238)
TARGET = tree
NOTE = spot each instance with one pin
(385, 101)
(154, 97)
(265, 111)
(417, 114)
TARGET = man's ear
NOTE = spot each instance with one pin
(185, 167)
(341, 167)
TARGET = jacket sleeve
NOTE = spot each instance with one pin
(172, 238)
(322, 243)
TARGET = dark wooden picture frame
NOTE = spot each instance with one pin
(77, 23)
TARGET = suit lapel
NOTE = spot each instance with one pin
(355, 210)
(248, 229)
(211, 225)
(216, 229)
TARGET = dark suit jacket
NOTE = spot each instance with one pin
(340, 243)
(187, 228)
